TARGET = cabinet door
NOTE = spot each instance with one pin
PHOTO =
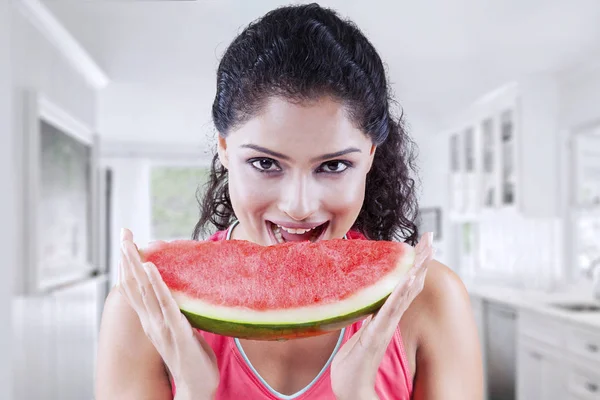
(539, 374)
(583, 379)
(529, 373)
(552, 377)
(76, 330)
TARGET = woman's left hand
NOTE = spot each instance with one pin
(354, 367)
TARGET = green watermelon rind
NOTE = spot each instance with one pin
(245, 330)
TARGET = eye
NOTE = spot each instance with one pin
(265, 165)
(334, 167)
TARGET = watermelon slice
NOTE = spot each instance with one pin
(294, 289)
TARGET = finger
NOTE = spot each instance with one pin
(423, 253)
(357, 338)
(126, 234)
(150, 298)
(206, 347)
(386, 320)
(121, 280)
(136, 268)
(147, 292)
(379, 329)
(129, 284)
(168, 305)
(388, 316)
(425, 243)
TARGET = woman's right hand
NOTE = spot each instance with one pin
(189, 359)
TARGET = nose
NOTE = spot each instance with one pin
(298, 200)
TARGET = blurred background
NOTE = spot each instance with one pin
(105, 123)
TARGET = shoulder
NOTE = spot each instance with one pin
(127, 360)
(448, 351)
(442, 284)
(121, 332)
(444, 299)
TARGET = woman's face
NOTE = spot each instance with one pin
(296, 172)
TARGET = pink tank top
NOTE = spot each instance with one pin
(239, 379)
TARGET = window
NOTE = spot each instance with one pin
(174, 205)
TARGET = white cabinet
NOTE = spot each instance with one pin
(529, 372)
(551, 358)
(583, 381)
(56, 336)
(556, 360)
(540, 372)
(504, 152)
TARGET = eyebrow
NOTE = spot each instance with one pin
(266, 151)
(319, 158)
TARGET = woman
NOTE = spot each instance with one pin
(308, 149)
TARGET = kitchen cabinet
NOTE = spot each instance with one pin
(533, 355)
(504, 152)
(556, 360)
(56, 337)
(583, 381)
(539, 372)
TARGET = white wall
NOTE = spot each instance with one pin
(36, 64)
(7, 203)
(433, 165)
(39, 65)
(130, 204)
(161, 112)
(580, 96)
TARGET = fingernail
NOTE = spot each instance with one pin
(430, 237)
(122, 233)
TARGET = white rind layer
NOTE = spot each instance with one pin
(359, 300)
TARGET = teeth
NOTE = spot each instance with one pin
(295, 231)
(277, 232)
(278, 236)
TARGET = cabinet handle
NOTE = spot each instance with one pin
(592, 347)
(504, 313)
(535, 355)
(591, 387)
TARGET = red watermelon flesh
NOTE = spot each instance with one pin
(291, 289)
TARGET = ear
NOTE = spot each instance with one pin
(372, 155)
(222, 151)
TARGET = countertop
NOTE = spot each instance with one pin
(541, 301)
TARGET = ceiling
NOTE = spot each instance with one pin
(161, 56)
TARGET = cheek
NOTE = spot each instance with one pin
(345, 199)
(247, 191)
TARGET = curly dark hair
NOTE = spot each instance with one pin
(302, 53)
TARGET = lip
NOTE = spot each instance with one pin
(295, 225)
(298, 225)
